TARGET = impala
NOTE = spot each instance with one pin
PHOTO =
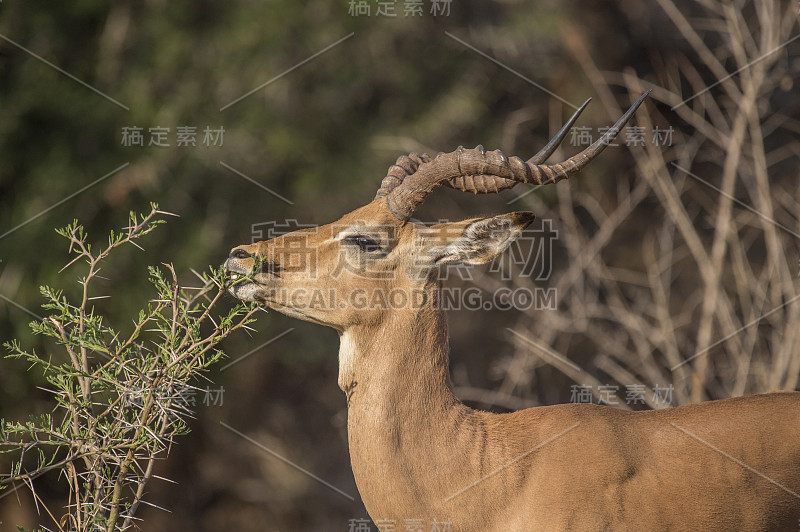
(418, 453)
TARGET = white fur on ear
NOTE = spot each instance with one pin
(483, 239)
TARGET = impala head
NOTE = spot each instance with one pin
(374, 260)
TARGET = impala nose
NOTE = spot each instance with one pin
(239, 253)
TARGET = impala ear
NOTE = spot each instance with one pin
(477, 241)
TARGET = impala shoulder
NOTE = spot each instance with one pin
(578, 418)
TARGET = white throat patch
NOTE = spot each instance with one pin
(347, 359)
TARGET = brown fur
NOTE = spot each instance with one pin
(418, 453)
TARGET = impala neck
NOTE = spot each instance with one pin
(412, 442)
(407, 352)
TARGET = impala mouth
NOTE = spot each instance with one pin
(246, 289)
(235, 272)
(238, 279)
(240, 283)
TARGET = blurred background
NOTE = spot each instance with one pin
(681, 243)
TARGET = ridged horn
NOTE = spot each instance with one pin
(414, 177)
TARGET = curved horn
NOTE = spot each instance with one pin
(407, 165)
(492, 184)
(482, 172)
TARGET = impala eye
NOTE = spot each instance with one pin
(364, 243)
